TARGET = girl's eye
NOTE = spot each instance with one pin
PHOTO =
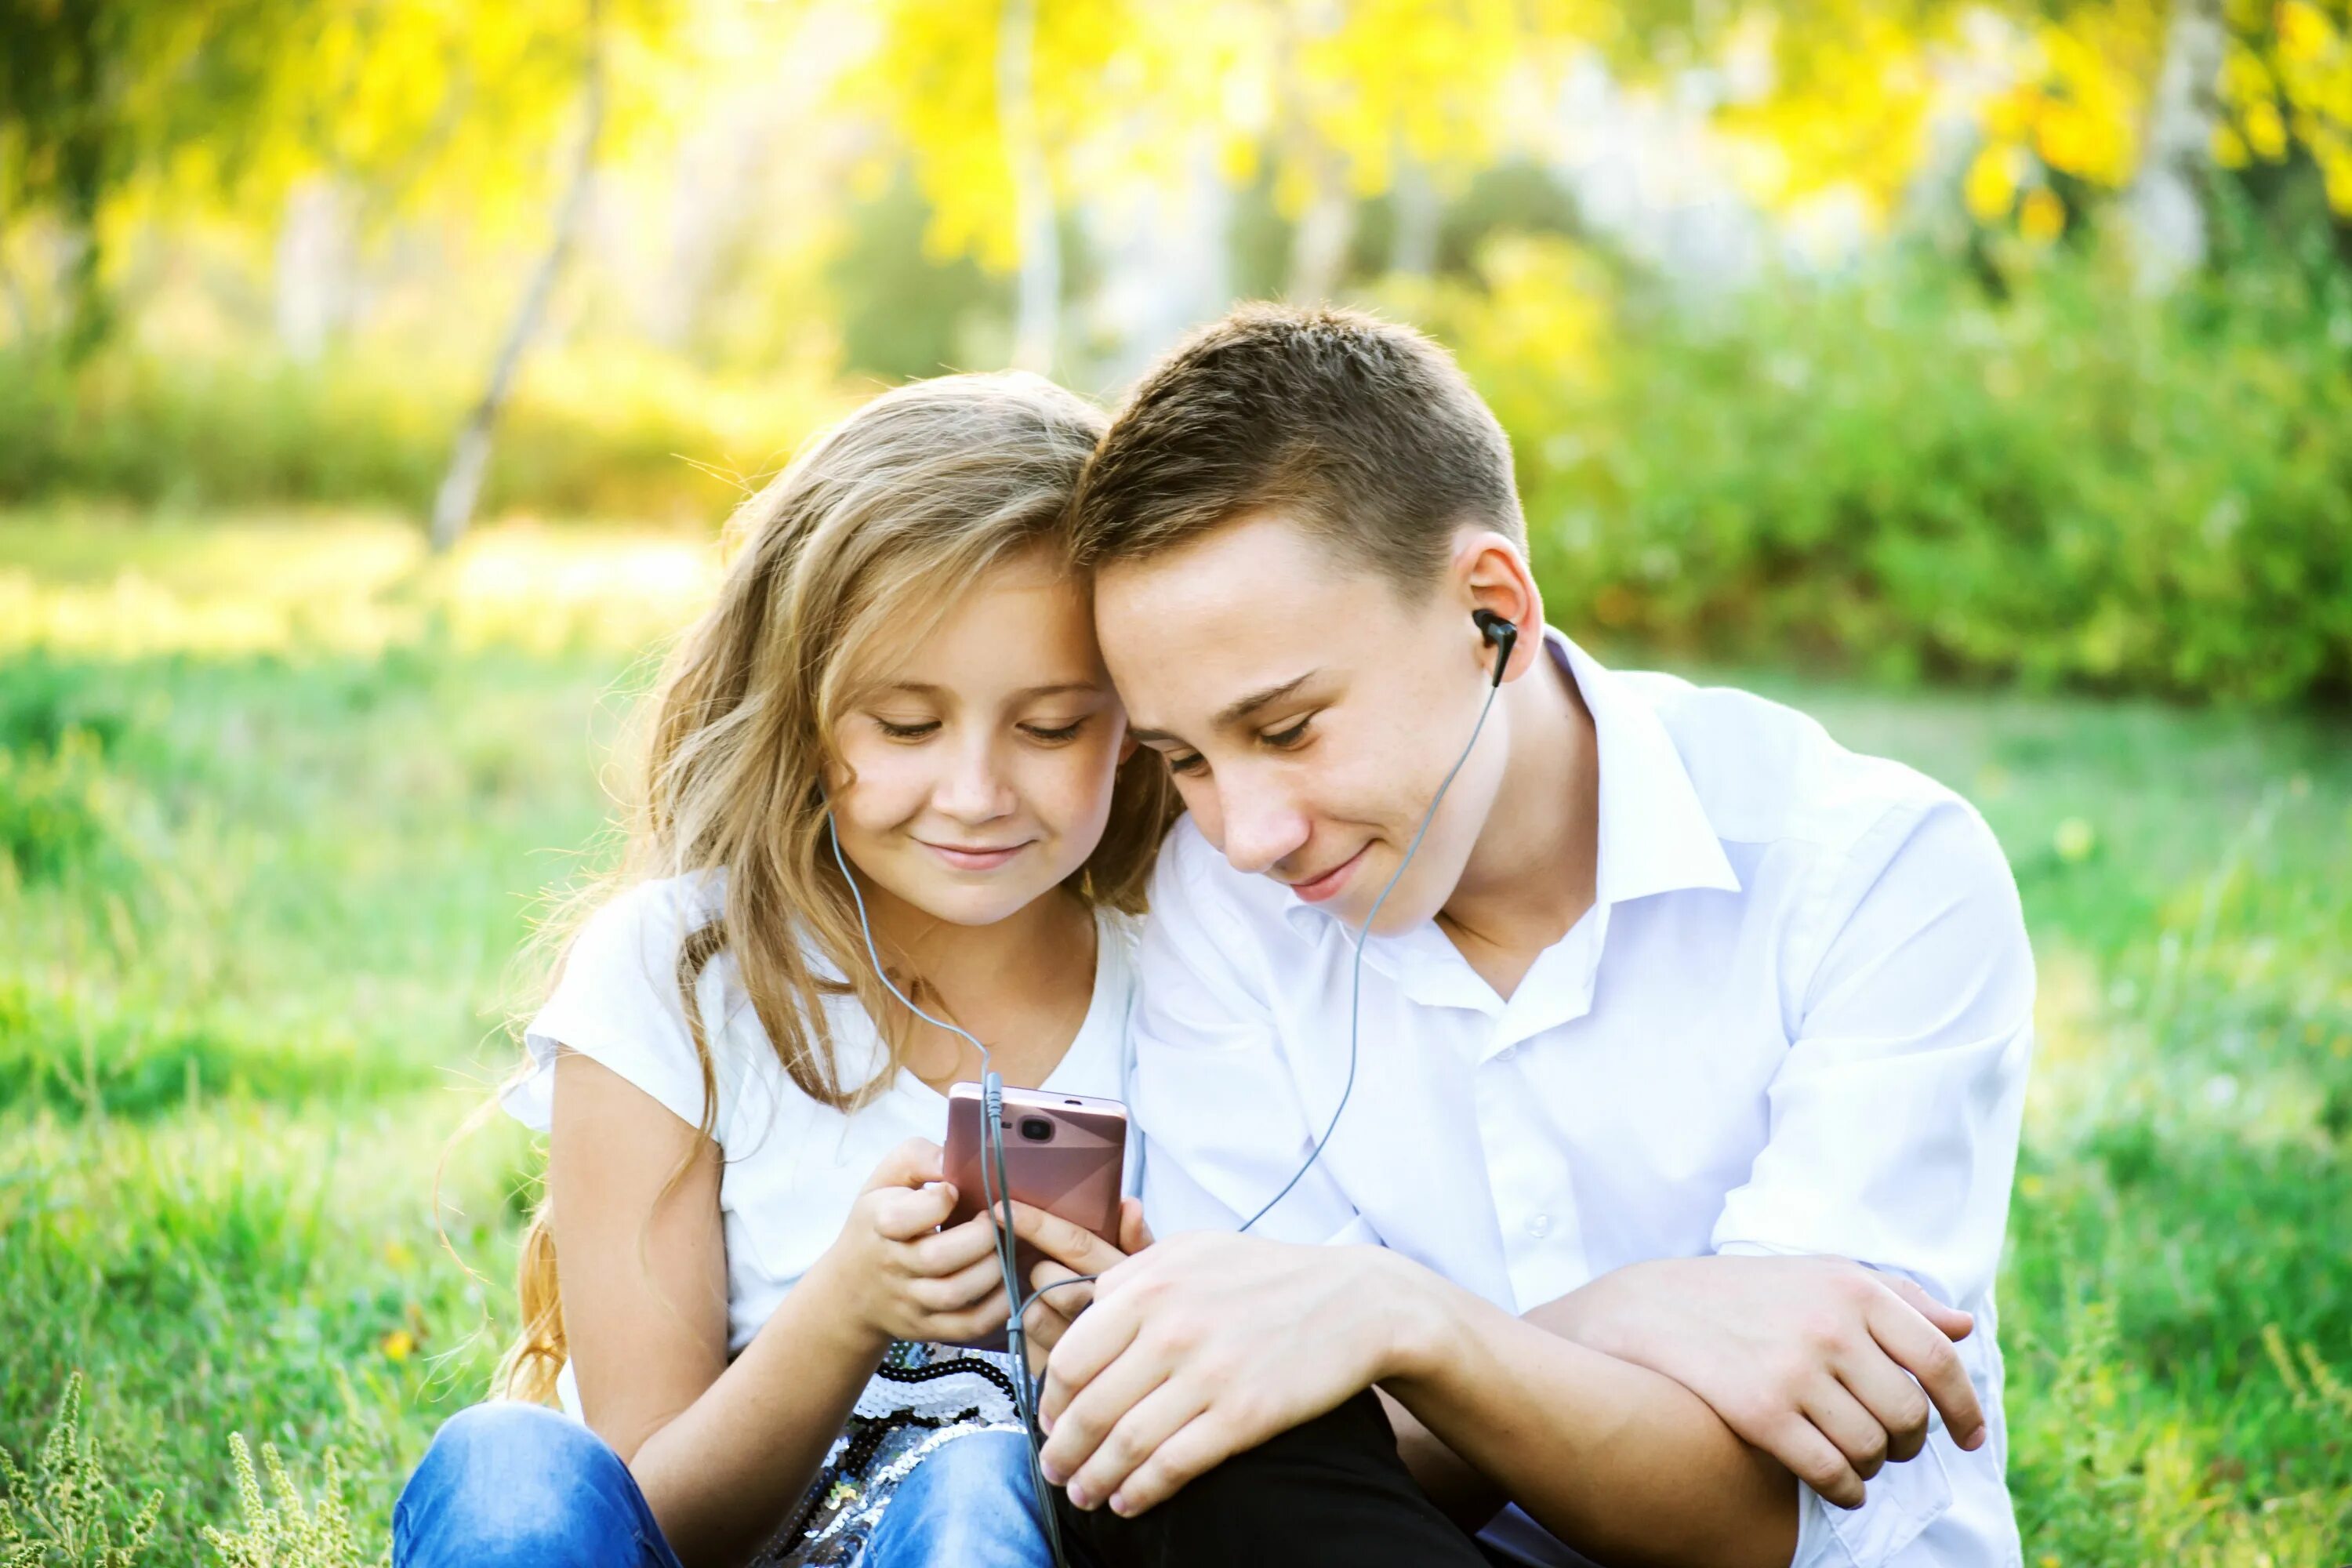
(905, 731)
(1283, 739)
(1189, 763)
(1068, 731)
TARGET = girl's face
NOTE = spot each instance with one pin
(981, 762)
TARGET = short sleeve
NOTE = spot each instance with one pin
(616, 1000)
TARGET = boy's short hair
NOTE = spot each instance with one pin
(1366, 432)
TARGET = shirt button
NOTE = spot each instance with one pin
(1507, 1053)
(1540, 1225)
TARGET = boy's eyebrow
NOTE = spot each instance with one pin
(1233, 713)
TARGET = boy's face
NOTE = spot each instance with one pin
(1308, 712)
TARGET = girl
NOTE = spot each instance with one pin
(744, 1189)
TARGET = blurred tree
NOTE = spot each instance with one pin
(470, 459)
(99, 98)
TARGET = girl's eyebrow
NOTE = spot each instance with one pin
(924, 688)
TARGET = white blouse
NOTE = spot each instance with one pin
(793, 1164)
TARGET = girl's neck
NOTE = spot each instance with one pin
(1021, 985)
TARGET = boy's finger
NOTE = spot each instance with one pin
(1955, 1324)
(1920, 1348)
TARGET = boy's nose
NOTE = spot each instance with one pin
(1262, 829)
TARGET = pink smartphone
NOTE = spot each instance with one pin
(1065, 1153)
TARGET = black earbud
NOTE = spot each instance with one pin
(1499, 631)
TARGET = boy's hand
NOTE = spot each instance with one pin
(1828, 1366)
(1072, 1253)
(1208, 1344)
(903, 1276)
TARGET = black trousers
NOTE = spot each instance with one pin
(1332, 1491)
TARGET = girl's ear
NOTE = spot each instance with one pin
(1128, 746)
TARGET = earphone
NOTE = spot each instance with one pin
(992, 1183)
(1504, 638)
(1501, 634)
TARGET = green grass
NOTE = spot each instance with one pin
(276, 800)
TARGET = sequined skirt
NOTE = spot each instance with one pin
(922, 1395)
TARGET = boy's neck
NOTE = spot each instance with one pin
(1531, 874)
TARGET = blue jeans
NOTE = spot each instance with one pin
(507, 1485)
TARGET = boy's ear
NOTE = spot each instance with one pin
(1494, 577)
(1128, 746)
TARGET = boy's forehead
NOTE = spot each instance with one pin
(1251, 604)
(1259, 558)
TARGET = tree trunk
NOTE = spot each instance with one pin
(461, 485)
(1318, 244)
(1412, 245)
(2164, 205)
(1037, 317)
(313, 271)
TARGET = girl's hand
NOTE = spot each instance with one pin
(904, 1277)
(1072, 1253)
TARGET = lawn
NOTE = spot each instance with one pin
(279, 800)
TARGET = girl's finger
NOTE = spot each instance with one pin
(967, 1287)
(1057, 1238)
(978, 1323)
(904, 1214)
(1065, 1294)
(954, 1249)
(913, 1164)
(1134, 1235)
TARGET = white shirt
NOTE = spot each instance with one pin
(793, 1165)
(1796, 1019)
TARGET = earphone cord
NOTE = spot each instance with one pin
(1356, 967)
(992, 1177)
(994, 1191)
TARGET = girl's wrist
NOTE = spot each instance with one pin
(845, 1305)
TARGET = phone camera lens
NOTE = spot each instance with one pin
(1036, 1128)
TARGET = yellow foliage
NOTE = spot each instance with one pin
(2042, 217)
(2286, 81)
(1848, 109)
(1990, 185)
(1128, 95)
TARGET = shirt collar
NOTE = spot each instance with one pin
(1656, 837)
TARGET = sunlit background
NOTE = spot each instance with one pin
(374, 378)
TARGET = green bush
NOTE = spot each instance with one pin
(2078, 484)
(608, 435)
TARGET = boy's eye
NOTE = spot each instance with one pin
(1283, 739)
(1068, 731)
(914, 731)
(1185, 763)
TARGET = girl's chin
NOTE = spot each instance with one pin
(959, 902)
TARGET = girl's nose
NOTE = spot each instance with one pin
(973, 788)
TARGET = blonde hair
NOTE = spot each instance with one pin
(861, 544)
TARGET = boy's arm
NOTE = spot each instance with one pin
(1208, 1344)
(1829, 1329)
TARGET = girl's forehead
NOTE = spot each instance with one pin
(1016, 626)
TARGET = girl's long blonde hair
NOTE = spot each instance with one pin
(861, 544)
